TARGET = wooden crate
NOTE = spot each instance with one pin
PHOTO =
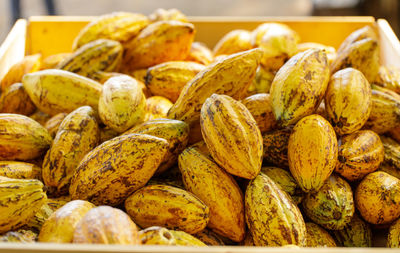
(50, 35)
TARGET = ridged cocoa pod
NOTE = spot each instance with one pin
(20, 170)
(260, 107)
(332, 206)
(262, 81)
(19, 236)
(271, 216)
(167, 14)
(348, 101)
(357, 233)
(378, 198)
(275, 146)
(234, 41)
(200, 53)
(312, 152)
(157, 107)
(360, 153)
(232, 136)
(318, 237)
(36, 222)
(184, 239)
(54, 123)
(330, 51)
(393, 240)
(57, 203)
(14, 99)
(299, 86)
(392, 153)
(209, 237)
(156, 236)
(389, 78)
(52, 61)
(106, 225)
(40, 117)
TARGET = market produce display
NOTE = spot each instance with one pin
(142, 135)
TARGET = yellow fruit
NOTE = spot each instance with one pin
(20, 170)
(14, 99)
(230, 76)
(217, 189)
(122, 103)
(71, 92)
(157, 107)
(330, 51)
(357, 233)
(299, 86)
(169, 14)
(156, 236)
(261, 110)
(20, 199)
(318, 237)
(232, 136)
(263, 80)
(348, 101)
(40, 117)
(57, 203)
(312, 152)
(359, 34)
(20, 236)
(54, 123)
(233, 42)
(209, 238)
(106, 225)
(118, 167)
(184, 239)
(275, 146)
(392, 157)
(359, 154)
(159, 42)
(332, 205)
(22, 138)
(377, 198)
(171, 207)
(200, 53)
(167, 79)
(37, 221)
(389, 78)
(393, 240)
(77, 135)
(271, 216)
(52, 61)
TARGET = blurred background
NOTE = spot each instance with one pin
(10, 10)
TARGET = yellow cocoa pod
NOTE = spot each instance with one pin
(385, 112)
(161, 14)
(330, 51)
(392, 157)
(159, 42)
(163, 205)
(72, 90)
(22, 138)
(348, 101)
(52, 61)
(360, 153)
(232, 136)
(184, 239)
(217, 189)
(60, 226)
(318, 237)
(157, 107)
(389, 78)
(122, 103)
(209, 237)
(260, 107)
(29, 64)
(234, 41)
(37, 221)
(98, 55)
(332, 205)
(20, 236)
(372, 206)
(14, 99)
(299, 86)
(40, 117)
(275, 147)
(390, 169)
(393, 240)
(156, 236)
(284, 180)
(263, 80)
(357, 233)
(312, 152)
(359, 34)
(54, 123)
(271, 215)
(20, 170)
(175, 132)
(106, 225)
(230, 76)
(77, 135)
(119, 26)
(20, 199)
(118, 167)
(168, 79)
(200, 53)
(57, 203)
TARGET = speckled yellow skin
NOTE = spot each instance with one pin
(20, 170)
(318, 237)
(275, 146)
(230, 76)
(77, 135)
(167, 14)
(271, 215)
(332, 206)
(20, 235)
(37, 221)
(119, 26)
(40, 117)
(217, 189)
(260, 107)
(392, 157)
(122, 103)
(20, 199)
(357, 233)
(54, 123)
(118, 167)
(157, 107)
(232, 136)
(60, 226)
(359, 154)
(200, 53)
(184, 239)
(175, 132)
(99, 55)
(14, 99)
(72, 91)
(359, 34)
(330, 51)
(209, 237)
(312, 152)
(393, 240)
(29, 64)
(159, 42)
(262, 81)
(378, 198)
(389, 78)
(106, 225)
(22, 138)
(348, 101)
(234, 41)
(167, 206)
(385, 112)
(299, 86)
(52, 61)
(168, 79)
(57, 203)
(156, 236)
